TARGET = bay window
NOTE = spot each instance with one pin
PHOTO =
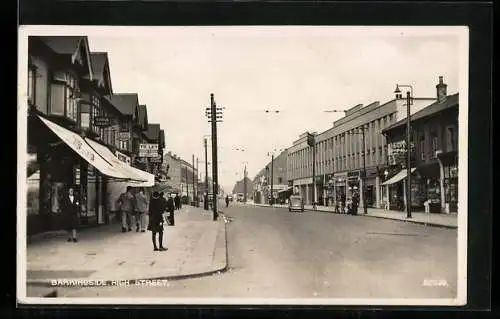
(63, 101)
(96, 108)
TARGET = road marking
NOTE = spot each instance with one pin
(435, 283)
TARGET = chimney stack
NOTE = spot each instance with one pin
(441, 90)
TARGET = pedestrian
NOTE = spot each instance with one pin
(227, 201)
(177, 201)
(126, 204)
(343, 202)
(156, 209)
(171, 210)
(70, 206)
(355, 203)
(141, 206)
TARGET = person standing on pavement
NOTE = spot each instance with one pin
(177, 201)
(70, 207)
(227, 201)
(171, 209)
(141, 206)
(354, 203)
(156, 209)
(126, 204)
(343, 202)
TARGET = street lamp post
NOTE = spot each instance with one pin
(409, 97)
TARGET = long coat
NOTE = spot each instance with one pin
(156, 209)
(71, 212)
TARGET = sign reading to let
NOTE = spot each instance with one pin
(148, 150)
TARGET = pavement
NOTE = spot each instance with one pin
(274, 253)
(438, 220)
(196, 247)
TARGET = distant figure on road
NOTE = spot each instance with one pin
(141, 206)
(156, 209)
(177, 201)
(70, 206)
(171, 210)
(126, 204)
(227, 201)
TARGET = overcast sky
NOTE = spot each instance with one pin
(300, 71)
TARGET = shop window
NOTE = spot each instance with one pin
(32, 85)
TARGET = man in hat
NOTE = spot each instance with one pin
(156, 209)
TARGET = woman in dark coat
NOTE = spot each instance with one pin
(70, 207)
(156, 209)
(171, 209)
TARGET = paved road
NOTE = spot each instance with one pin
(277, 254)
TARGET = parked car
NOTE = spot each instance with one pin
(296, 203)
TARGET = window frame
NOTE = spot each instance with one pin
(67, 88)
(32, 70)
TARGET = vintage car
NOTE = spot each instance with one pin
(296, 203)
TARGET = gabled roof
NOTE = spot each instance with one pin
(62, 44)
(434, 108)
(153, 131)
(126, 103)
(99, 62)
(69, 45)
(143, 116)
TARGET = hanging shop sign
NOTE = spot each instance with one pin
(124, 136)
(148, 150)
(396, 151)
(102, 121)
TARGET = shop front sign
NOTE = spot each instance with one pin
(148, 150)
(124, 136)
(102, 121)
(396, 151)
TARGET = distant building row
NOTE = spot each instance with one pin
(340, 154)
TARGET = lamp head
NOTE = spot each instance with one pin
(397, 90)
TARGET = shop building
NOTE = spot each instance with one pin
(172, 166)
(67, 111)
(261, 184)
(434, 146)
(343, 162)
(188, 179)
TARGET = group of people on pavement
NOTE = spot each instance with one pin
(342, 207)
(136, 208)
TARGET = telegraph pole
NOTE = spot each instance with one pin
(197, 188)
(408, 156)
(311, 141)
(194, 192)
(245, 184)
(272, 178)
(363, 179)
(205, 203)
(215, 115)
(187, 183)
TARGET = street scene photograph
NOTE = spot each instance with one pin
(242, 165)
